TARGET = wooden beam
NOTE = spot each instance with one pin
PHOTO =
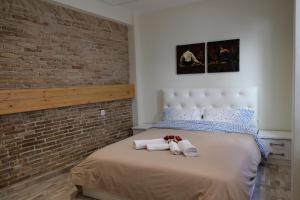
(24, 100)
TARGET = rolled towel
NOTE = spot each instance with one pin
(187, 148)
(174, 148)
(142, 144)
(158, 146)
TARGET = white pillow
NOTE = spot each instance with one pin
(183, 114)
(230, 115)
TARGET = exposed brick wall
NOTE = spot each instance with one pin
(44, 45)
(37, 142)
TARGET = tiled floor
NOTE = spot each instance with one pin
(273, 183)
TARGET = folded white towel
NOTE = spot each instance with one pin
(158, 146)
(174, 148)
(187, 148)
(142, 144)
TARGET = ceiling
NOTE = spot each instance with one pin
(145, 6)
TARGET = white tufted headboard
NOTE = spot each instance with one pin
(212, 97)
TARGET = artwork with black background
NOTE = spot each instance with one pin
(191, 58)
(223, 56)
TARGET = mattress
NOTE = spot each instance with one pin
(225, 168)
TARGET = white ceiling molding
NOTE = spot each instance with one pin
(118, 2)
(116, 13)
(148, 6)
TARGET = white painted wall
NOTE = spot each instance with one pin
(265, 30)
(296, 114)
(97, 7)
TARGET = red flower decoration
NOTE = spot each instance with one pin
(178, 138)
(169, 138)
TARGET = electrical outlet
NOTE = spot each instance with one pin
(102, 112)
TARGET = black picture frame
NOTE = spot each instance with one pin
(190, 58)
(223, 56)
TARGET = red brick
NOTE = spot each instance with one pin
(33, 143)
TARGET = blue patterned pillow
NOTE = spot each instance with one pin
(230, 115)
(183, 114)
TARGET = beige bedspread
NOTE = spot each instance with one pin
(225, 168)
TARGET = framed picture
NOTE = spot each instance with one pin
(190, 58)
(223, 56)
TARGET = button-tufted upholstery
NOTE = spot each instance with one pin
(211, 97)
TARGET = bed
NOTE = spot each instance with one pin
(225, 168)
